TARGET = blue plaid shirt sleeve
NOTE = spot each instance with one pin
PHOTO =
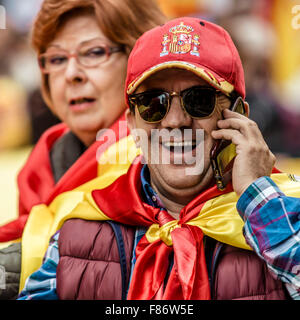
(41, 285)
(272, 229)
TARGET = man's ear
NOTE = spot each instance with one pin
(130, 118)
(247, 108)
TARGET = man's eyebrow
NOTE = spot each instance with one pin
(149, 89)
(162, 88)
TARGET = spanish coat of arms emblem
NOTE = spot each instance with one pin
(181, 41)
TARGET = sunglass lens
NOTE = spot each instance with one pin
(199, 102)
(152, 106)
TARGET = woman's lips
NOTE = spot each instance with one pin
(81, 104)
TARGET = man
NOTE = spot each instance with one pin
(186, 240)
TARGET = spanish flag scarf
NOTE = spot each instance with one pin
(121, 202)
(115, 195)
(36, 183)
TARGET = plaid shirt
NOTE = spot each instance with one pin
(281, 251)
(41, 285)
(272, 229)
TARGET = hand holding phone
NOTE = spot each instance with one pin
(223, 152)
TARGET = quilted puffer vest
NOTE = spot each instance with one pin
(90, 266)
(242, 275)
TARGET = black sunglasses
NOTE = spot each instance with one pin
(153, 105)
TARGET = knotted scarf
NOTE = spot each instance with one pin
(188, 278)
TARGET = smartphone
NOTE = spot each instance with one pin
(223, 152)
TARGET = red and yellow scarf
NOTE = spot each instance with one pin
(121, 202)
(116, 196)
(36, 183)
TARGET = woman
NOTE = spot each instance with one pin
(83, 46)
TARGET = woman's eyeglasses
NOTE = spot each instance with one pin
(89, 56)
(153, 105)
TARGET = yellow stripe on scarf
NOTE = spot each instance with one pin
(219, 218)
(44, 220)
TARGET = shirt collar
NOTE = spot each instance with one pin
(149, 195)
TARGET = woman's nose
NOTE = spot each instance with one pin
(74, 73)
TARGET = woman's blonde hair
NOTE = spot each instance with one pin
(121, 21)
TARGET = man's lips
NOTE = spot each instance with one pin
(179, 146)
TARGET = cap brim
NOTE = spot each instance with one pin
(212, 78)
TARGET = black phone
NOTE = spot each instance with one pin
(223, 152)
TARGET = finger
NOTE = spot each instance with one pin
(233, 114)
(233, 123)
(245, 125)
(229, 134)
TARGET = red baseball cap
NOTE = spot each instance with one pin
(188, 43)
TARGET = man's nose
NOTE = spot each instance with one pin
(176, 117)
(74, 72)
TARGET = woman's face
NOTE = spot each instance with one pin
(86, 99)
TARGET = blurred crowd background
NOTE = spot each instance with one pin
(266, 33)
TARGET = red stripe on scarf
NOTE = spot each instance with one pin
(36, 182)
